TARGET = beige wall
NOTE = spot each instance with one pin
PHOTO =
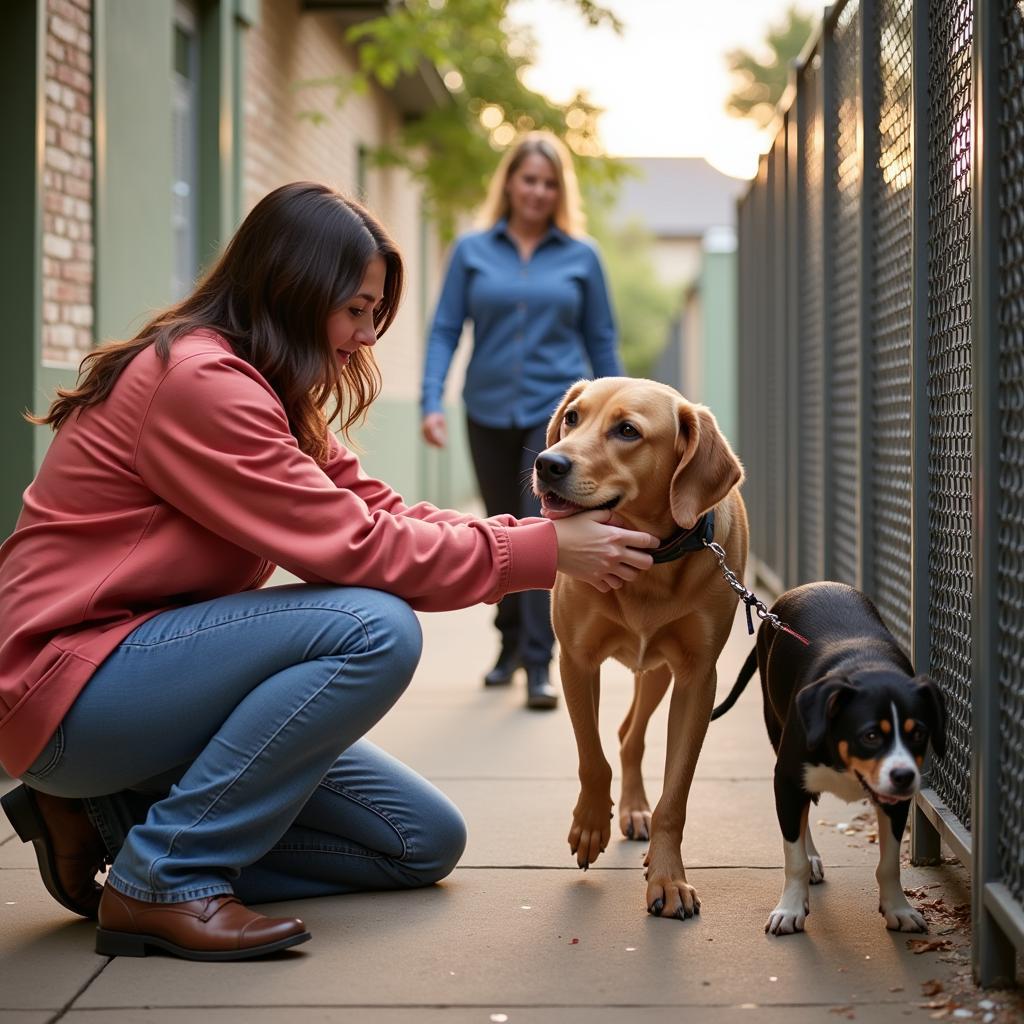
(68, 255)
(693, 347)
(677, 260)
(287, 47)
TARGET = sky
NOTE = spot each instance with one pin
(664, 81)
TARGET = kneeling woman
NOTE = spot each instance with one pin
(139, 653)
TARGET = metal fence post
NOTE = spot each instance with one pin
(827, 93)
(779, 352)
(993, 954)
(794, 234)
(925, 845)
(868, 146)
(759, 340)
(771, 381)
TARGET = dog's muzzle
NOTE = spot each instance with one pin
(551, 475)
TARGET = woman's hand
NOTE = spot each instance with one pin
(605, 556)
(434, 429)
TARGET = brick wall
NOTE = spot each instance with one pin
(290, 46)
(68, 255)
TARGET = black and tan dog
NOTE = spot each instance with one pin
(662, 464)
(846, 715)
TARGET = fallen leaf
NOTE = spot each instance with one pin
(931, 988)
(919, 946)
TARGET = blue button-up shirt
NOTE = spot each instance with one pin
(538, 326)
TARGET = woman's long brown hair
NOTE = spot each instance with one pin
(300, 254)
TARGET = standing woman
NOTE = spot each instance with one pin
(138, 652)
(535, 291)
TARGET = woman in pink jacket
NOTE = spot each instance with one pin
(161, 708)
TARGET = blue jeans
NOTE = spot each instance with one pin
(242, 719)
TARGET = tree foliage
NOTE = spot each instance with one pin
(453, 150)
(762, 82)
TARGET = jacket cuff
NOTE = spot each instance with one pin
(533, 555)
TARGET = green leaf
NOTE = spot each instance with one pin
(448, 150)
(761, 80)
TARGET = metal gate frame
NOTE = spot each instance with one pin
(775, 317)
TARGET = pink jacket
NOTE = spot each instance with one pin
(184, 485)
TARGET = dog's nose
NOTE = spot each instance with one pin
(902, 778)
(552, 467)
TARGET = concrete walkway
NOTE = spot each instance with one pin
(517, 933)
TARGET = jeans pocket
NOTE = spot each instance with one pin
(51, 756)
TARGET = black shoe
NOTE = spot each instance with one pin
(540, 694)
(504, 668)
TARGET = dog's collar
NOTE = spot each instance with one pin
(685, 541)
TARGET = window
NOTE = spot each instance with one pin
(185, 149)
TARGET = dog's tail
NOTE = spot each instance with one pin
(746, 674)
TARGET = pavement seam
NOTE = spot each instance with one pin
(88, 981)
(491, 1006)
(651, 779)
(626, 867)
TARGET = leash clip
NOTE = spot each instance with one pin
(748, 597)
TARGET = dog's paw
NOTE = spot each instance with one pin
(589, 836)
(902, 917)
(788, 917)
(817, 871)
(636, 824)
(672, 897)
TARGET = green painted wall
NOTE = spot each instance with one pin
(134, 254)
(393, 451)
(221, 120)
(718, 308)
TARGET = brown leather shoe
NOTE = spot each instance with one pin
(69, 850)
(213, 928)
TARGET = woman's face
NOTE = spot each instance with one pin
(350, 326)
(532, 190)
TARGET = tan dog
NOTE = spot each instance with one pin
(660, 462)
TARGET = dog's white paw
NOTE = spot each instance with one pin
(817, 870)
(788, 917)
(902, 917)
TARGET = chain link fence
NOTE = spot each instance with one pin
(882, 384)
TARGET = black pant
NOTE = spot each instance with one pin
(503, 461)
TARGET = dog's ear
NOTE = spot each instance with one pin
(935, 712)
(818, 703)
(555, 423)
(708, 468)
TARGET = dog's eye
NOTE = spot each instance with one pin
(628, 431)
(919, 735)
(871, 737)
(571, 418)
